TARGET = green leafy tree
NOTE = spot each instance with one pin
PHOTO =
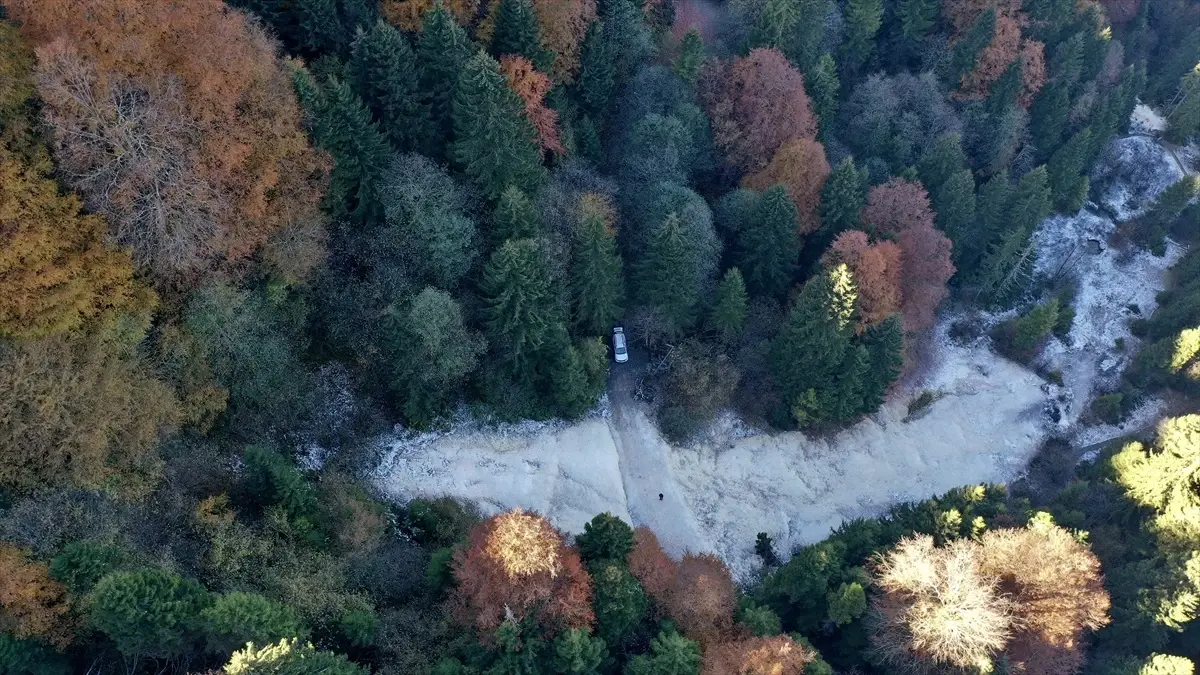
(814, 363)
(1167, 664)
(759, 619)
(823, 87)
(768, 245)
(884, 342)
(520, 310)
(846, 603)
(842, 200)
(443, 50)
(670, 654)
(1030, 329)
(965, 53)
(359, 627)
(81, 564)
(605, 537)
(432, 354)
(289, 657)
(519, 650)
(1066, 167)
(666, 277)
(516, 217)
(237, 618)
(342, 125)
(383, 70)
(690, 57)
(494, 142)
(728, 314)
(577, 653)
(596, 284)
(516, 32)
(863, 19)
(150, 612)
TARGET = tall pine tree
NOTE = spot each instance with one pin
(597, 69)
(442, 51)
(863, 19)
(884, 342)
(954, 207)
(595, 269)
(823, 90)
(690, 56)
(520, 309)
(494, 143)
(965, 53)
(768, 244)
(666, 276)
(1068, 185)
(516, 217)
(383, 70)
(516, 33)
(728, 314)
(842, 200)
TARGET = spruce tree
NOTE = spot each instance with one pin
(1183, 122)
(383, 70)
(954, 207)
(842, 200)
(443, 49)
(597, 70)
(990, 213)
(1008, 256)
(1004, 91)
(966, 51)
(817, 368)
(494, 142)
(342, 125)
(1032, 201)
(666, 277)
(670, 654)
(917, 17)
(884, 342)
(319, 29)
(516, 217)
(768, 245)
(516, 33)
(690, 56)
(576, 652)
(863, 19)
(729, 311)
(595, 273)
(775, 24)
(1171, 202)
(1066, 168)
(1048, 117)
(520, 309)
(823, 90)
(941, 159)
(570, 387)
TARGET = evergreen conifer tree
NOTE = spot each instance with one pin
(666, 277)
(516, 217)
(1066, 168)
(842, 200)
(1048, 117)
(816, 367)
(729, 311)
(319, 28)
(597, 69)
(954, 207)
(494, 142)
(941, 159)
(863, 19)
(965, 53)
(595, 271)
(990, 212)
(443, 48)
(916, 17)
(342, 125)
(1183, 122)
(521, 313)
(577, 653)
(690, 56)
(516, 33)
(823, 90)
(571, 389)
(767, 246)
(884, 342)
(775, 26)
(383, 70)
(670, 654)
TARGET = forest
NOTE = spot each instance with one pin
(244, 238)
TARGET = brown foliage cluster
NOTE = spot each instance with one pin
(192, 148)
(900, 209)
(1058, 591)
(877, 272)
(1007, 46)
(408, 14)
(697, 592)
(775, 655)
(757, 104)
(562, 25)
(516, 562)
(74, 411)
(960, 14)
(1031, 594)
(801, 167)
(1121, 11)
(532, 87)
(55, 270)
(32, 605)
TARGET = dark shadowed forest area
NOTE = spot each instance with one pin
(238, 234)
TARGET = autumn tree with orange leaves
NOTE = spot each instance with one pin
(757, 104)
(191, 148)
(1006, 47)
(651, 566)
(702, 599)
(877, 271)
(801, 167)
(775, 655)
(32, 605)
(960, 14)
(562, 25)
(532, 87)
(517, 563)
(407, 15)
(900, 209)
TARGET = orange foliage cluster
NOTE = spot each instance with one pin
(801, 167)
(408, 14)
(1007, 46)
(562, 25)
(775, 655)
(757, 104)
(31, 603)
(517, 563)
(55, 270)
(877, 272)
(900, 209)
(532, 87)
(697, 592)
(120, 76)
(962, 13)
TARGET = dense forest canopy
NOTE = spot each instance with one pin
(239, 234)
